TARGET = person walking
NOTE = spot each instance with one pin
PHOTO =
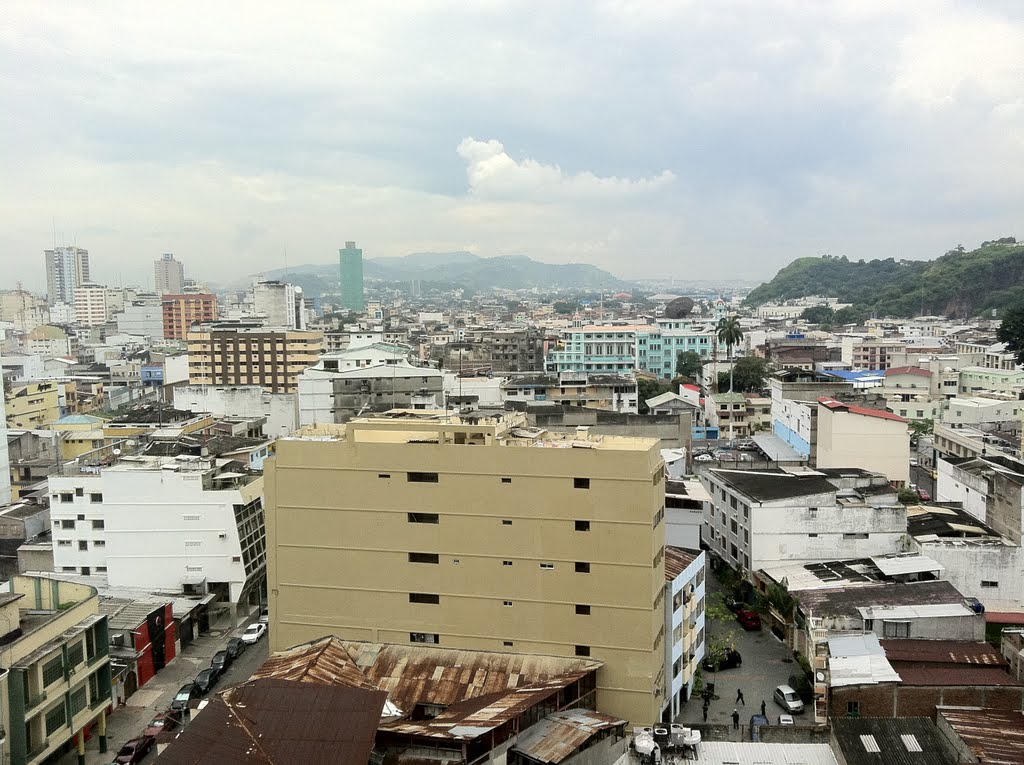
(735, 719)
(705, 713)
(762, 708)
(739, 697)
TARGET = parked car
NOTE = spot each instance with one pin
(749, 620)
(731, 660)
(235, 648)
(158, 724)
(254, 632)
(788, 699)
(924, 495)
(786, 720)
(265, 615)
(205, 680)
(746, 446)
(133, 752)
(221, 661)
(703, 458)
(184, 695)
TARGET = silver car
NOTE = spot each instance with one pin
(788, 699)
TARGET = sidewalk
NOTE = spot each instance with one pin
(128, 721)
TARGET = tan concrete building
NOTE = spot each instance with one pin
(866, 438)
(91, 308)
(476, 533)
(33, 405)
(181, 311)
(240, 354)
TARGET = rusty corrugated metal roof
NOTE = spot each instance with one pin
(677, 559)
(324, 661)
(994, 735)
(558, 735)
(279, 722)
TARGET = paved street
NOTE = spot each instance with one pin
(128, 721)
(767, 663)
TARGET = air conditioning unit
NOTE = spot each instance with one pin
(223, 535)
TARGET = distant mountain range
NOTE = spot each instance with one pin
(462, 269)
(959, 284)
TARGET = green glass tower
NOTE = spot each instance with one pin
(352, 278)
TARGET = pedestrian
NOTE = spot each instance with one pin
(762, 708)
(735, 719)
(705, 713)
(739, 697)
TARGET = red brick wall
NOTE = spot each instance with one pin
(893, 700)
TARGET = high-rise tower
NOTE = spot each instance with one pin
(66, 269)
(352, 278)
(168, 275)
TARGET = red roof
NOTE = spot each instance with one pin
(839, 406)
(985, 676)
(688, 386)
(961, 652)
(908, 371)
(1004, 617)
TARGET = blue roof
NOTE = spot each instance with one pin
(79, 419)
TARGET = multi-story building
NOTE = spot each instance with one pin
(867, 438)
(280, 303)
(396, 530)
(494, 350)
(32, 405)
(327, 396)
(180, 523)
(684, 622)
(144, 316)
(23, 309)
(278, 410)
(168, 275)
(616, 393)
(90, 301)
(246, 354)
(873, 353)
(652, 348)
(5, 459)
(982, 379)
(56, 668)
(48, 341)
(66, 269)
(351, 263)
(182, 311)
(767, 517)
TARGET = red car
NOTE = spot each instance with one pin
(161, 722)
(924, 495)
(749, 620)
(133, 752)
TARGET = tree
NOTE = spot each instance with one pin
(850, 315)
(908, 496)
(748, 375)
(648, 387)
(564, 307)
(721, 630)
(1011, 331)
(689, 364)
(731, 333)
(818, 314)
(920, 428)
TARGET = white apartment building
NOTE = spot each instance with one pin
(279, 409)
(144, 317)
(280, 303)
(763, 518)
(168, 275)
(5, 458)
(66, 269)
(167, 524)
(90, 302)
(685, 622)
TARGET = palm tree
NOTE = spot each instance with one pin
(731, 333)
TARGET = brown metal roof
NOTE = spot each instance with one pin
(558, 735)
(994, 735)
(322, 661)
(955, 675)
(677, 559)
(942, 652)
(279, 722)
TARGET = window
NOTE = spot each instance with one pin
(658, 517)
(101, 569)
(95, 497)
(383, 475)
(855, 536)
(582, 567)
(895, 629)
(506, 522)
(582, 525)
(547, 566)
(83, 545)
(66, 496)
(67, 524)
(79, 491)
(506, 563)
(424, 637)
(424, 597)
(80, 517)
(581, 483)
(55, 719)
(53, 671)
(507, 603)
(75, 655)
(506, 480)
(812, 535)
(99, 543)
(423, 518)
(424, 558)
(853, 708)
(989, 583)
(583, 650)
(507, 643)
(97, 524)
(421, 477)
(582, 610)
(733, 527)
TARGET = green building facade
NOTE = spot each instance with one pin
(352, 278)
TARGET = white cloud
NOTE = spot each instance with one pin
(491, 172)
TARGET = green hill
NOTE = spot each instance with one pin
(959, 284)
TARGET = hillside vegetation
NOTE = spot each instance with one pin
(959, 284)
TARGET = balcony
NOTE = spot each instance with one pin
(34, 701)
(41, 747)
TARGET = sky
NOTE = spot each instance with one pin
(701, 140)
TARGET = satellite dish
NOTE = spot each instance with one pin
(819, 676)
(117, 452)
(130, 442)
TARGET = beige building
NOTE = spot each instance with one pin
(56, 667)
(33, 405)
(476, 533)
(241, 354)
(91, 305)
(871, 439)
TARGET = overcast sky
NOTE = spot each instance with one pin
(702, 139)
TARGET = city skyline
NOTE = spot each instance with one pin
(713, 142)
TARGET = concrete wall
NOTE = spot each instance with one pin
(241, 401)
(956, 485)
(969, 563)
(897, 700)
(674, 431)
(846, 439)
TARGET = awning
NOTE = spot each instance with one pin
(777, 449)
(900, 565)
